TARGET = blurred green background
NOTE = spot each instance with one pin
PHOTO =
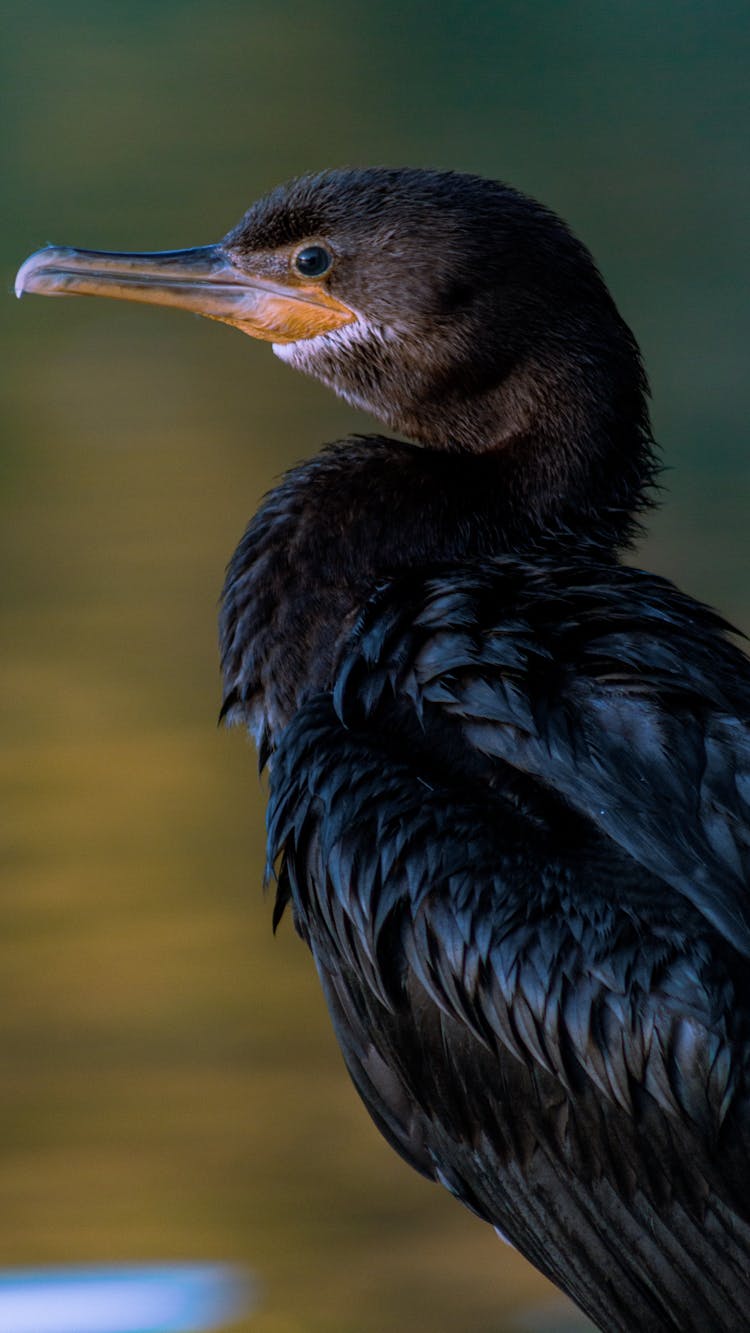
(170, 1087)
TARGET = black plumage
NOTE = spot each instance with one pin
(509, 775)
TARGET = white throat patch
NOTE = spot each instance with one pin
(317, 355)
(359, 331)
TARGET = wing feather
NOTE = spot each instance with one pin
(621, 697)
(515, 836)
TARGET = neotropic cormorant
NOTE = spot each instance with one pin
(509, 775)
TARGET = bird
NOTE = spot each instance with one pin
(508, 772)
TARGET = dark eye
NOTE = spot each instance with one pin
(313, 261)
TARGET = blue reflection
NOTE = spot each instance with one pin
(149, 1298)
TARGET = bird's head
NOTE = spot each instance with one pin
(453, 308)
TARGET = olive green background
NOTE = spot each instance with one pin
(170, 1087)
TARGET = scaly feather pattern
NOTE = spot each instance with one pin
(486, 830)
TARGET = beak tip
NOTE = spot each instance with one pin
(23, 283)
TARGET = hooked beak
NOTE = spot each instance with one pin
(205, 280)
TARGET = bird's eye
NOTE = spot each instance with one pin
(313, 261)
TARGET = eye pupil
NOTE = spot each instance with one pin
(312, 261)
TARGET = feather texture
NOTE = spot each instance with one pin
(486, 830)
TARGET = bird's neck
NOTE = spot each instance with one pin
(367, 509)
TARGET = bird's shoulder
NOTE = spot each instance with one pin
(515, 800)
(549, 945)
(587, 689)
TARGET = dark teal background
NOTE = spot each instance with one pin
(171, 1088)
